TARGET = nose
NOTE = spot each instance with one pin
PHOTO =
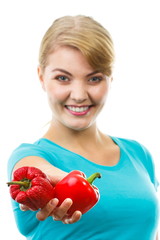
(79, 92)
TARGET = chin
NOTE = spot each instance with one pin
(79, 127)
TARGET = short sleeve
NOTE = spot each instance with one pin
(150, 166)
(25, 150)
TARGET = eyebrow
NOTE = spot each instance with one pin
(68, 73)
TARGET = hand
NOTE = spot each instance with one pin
(57, 213)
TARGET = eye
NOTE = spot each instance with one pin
(62, 78)
(95, 79)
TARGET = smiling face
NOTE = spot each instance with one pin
(76, 92)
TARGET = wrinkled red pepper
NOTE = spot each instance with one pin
(75, 186)
(31, 187)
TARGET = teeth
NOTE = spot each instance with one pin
(77, 109)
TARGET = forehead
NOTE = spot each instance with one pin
(68, 57)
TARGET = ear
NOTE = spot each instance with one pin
(41, 77)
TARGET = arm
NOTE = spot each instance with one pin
(54, 174)
(157, 237)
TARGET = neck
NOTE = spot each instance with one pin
(65, 136)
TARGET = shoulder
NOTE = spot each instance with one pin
(133, 146)
(28, 149)
(37, 149)
(140, 154)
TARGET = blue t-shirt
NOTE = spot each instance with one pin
(128, 208)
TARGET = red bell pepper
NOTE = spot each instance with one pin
(75, 186)
(31, 187)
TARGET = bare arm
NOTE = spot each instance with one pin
(55, 175)
(52, 172)
(157, 237)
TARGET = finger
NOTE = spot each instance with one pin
(23, 207)
(75, 218)
(47, 210)
(62, 210)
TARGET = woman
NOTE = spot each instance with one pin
(75, 70)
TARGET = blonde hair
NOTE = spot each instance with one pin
(84, 34)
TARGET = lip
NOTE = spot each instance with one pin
(84, 111)
(89, 105)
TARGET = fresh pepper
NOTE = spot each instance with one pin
(31, 187)
(75, 186)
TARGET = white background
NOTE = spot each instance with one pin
(132, 110)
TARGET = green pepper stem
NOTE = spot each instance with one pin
(25, 184)
(93, 177)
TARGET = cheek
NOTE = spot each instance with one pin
(56, 94)
(100, 94)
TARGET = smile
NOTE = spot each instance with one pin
(78, 110)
